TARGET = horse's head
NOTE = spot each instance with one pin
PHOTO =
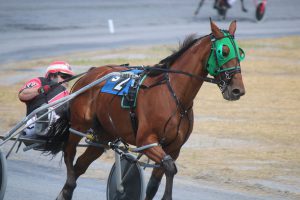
(223, 62)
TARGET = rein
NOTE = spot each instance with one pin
(166, 70)
(68, 79)
(200, 78)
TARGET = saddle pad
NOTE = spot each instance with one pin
(117, 85)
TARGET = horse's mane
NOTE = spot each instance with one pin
(189, 41)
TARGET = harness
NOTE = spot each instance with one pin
(215, 67)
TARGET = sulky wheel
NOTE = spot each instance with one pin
(260, 11)
(3, 175)
(132, 179)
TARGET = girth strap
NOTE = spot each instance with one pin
(133, 119)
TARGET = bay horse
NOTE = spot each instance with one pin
(164, 109)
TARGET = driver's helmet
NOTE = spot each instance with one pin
(59, 67)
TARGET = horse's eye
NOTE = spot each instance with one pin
(225, 51)
(224, 54)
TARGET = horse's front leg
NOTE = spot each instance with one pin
(69, 154)
(169, 163)
(158, 155)
(170, 170)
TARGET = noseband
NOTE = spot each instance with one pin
(226, 77)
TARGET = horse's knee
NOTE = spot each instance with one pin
(70, 185)
(152, 187)
(169, 166)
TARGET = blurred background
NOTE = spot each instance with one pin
(33, 29)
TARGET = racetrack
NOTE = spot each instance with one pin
(31, 176)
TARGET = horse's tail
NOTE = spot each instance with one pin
(58, 134)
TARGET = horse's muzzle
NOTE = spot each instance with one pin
(233, 93)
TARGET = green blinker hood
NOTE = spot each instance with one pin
(217, 59)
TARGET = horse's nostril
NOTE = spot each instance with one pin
(236, 92)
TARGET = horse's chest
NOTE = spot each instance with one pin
(178, 130)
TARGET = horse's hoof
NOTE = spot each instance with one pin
(60, 196)
(166, 198)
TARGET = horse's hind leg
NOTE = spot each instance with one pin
(84, 161)
(69, 154)
(73, 172)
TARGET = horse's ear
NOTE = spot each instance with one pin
(232, 27)
(215, 30)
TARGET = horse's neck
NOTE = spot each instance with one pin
(192, 61)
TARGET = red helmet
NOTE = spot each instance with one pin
(59, 66)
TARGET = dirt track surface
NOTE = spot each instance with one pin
(44, 179)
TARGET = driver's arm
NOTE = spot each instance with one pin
(30, 90)
(28, 94)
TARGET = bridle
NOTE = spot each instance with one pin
(217, 60)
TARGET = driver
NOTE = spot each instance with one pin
(44, 90)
